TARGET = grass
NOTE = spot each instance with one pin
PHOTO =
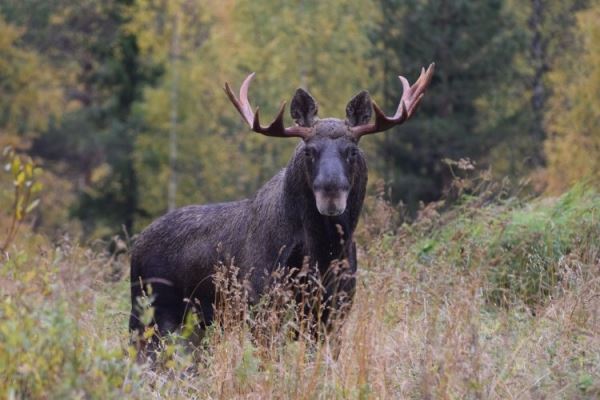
(487, 300)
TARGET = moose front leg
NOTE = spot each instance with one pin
(337, 301)
(338, 283)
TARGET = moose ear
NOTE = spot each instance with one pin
(303, 108)
(359, 109)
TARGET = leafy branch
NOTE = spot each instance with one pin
(25, 185)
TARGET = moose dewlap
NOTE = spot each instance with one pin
(306, 213)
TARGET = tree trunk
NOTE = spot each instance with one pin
(538, 90)
(174, 60)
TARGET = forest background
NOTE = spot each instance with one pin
(121, 101)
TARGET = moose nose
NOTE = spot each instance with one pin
(331, 195)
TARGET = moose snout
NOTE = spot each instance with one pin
(331, 196)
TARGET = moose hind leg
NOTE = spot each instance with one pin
(169, 310)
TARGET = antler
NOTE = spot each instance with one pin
(411, 96)
(276, 128)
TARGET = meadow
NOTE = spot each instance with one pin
(492, 297)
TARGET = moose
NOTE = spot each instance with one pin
(303, 216)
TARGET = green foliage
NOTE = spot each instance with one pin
(97, 134)
(467, 40)
(532, 245)
(47, 308)
(521, 248)
(43, 355)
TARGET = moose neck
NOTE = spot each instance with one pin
(325, 238)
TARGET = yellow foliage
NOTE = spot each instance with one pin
(29, 95)
(573, 117)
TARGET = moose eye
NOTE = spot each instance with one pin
(352, 153)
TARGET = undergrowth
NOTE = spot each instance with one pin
(485, 300)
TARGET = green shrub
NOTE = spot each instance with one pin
(518, 246)
(529, 247)
(43, 354)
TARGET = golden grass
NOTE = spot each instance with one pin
(423, 324)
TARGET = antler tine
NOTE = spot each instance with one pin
(244, 109)
(245, 104)
(411, 97)
(275, 128)
(420, 85)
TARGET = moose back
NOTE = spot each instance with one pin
(308, 212)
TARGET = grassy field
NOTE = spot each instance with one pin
(490, 299)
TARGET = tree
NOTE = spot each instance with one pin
(468, 41)
(573, 114)
(29, 94)
(97, 136)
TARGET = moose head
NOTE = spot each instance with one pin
(330, 146)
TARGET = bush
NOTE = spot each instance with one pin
(518, 247)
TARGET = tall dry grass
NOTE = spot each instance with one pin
(427, 321)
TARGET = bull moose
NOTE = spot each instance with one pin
(306, 213)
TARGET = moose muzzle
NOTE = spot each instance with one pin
(331, 203)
